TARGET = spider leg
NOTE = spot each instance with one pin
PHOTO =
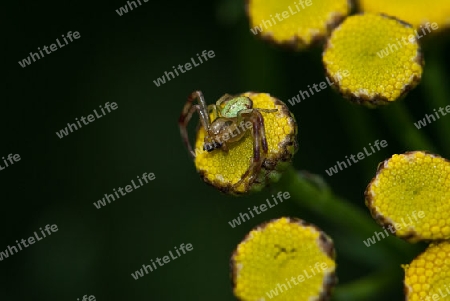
(266, 110)
(186, 115)
(259, 143)
(214, 110)
(210, 109)
(261, 130)
(223, 99)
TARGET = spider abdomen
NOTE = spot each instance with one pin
(235, 105)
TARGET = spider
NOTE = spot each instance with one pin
(230, 113)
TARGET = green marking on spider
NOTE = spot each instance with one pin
(235, 105)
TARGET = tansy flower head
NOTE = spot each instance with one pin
(415, 12)
(285, 259)
(381, 54)
(225, 169)
(411, 194)
(427, 278)
(295, 23)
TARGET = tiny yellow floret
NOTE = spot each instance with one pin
(285, 259)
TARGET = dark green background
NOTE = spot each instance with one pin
(116, 60)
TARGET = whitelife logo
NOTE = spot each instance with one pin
(226, 136)
(436, 297)
(27, 61)
(85, 298)
(145, 268)
(10, 158)
(406, 40)
(319, 267)
(166, 76)
(341, 165)
(243, 217)
(284, 15)
(124, 9)
(128, 188)
(90, 118)
(398, 226)
(302, 95)
(31, 240)
(430, 118)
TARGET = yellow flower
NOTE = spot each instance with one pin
(225, 169)
(411, 194)
(427, 278)
(297, 24)
(285, 259)
(381, 55)
(415, 12)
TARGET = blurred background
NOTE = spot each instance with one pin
(117, 59)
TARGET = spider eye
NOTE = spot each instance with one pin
(209, 147)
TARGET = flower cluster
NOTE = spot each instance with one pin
(379, 47)
(412, 182)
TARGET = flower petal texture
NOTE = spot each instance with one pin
(381, 54)
(287, 259)
(297, 24)
(415, 12)
(225, 169)
(427, 278)
(411, 193)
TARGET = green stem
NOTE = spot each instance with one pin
(354, 224)
(369, 287)
(401, 124)
(435, 86)
(356, 119)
